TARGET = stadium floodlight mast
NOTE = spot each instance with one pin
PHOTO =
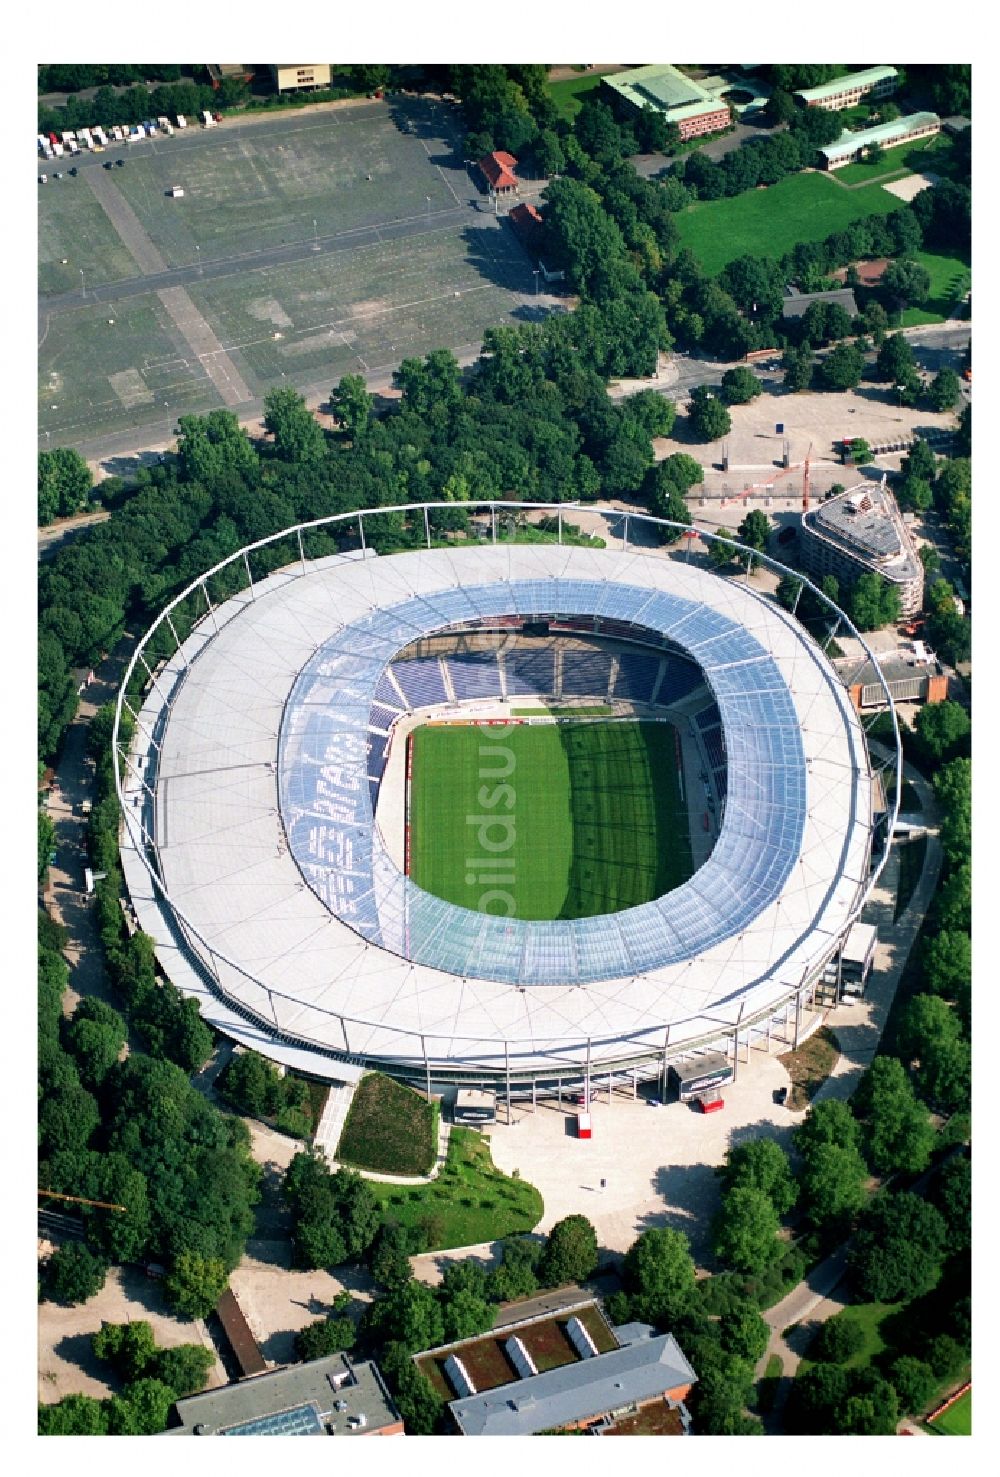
(635, 1044)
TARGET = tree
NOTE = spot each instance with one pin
(929, 1037)
(860, 451)
(740, 385)
(905, 282)
(953, 901)
(816, 1396)
(897, 1249)
(128, 1347)
(410, 1315)
(798, 365)
(873, 603)
(914, 1382)
(894, 358)
(874, 154)
(64, 484)
(943, 730)
(326, 1336)
(781, 107)
(653, 412)
(570, 1253)
(761, 1164)
(141, 1409)
(899, 1135)
(722, 552)
(74, 1415)
(745, 1231)
(946, 968)
(195, 1283)
(95, 1037)
(838, 1339)
(944, 390)
(953, 788)
(832, 1181)
(73, 1274)
(913, 493)
(418, 1403)
(755, 530)
(298, 436)
(516, 1275)
(870, 1410)
(251, 1084)
(743, 1332)
(708, 417)
(658, 1274)
(390, 1256)
(841, 369)
(351, 404)
(184, 1368)
(466, 1315)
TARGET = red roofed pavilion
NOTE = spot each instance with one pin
(498, 168)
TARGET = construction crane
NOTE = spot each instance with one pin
(81, 1200)
(805, 481)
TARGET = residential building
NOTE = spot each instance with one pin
(598, 1377)
(796, 304)
(846, 92)
(861, 531)
(222, 71)
(694, 108)
(324, 1397)
(300, 76)
(869, 272)
(527, 222)
(498, 170)
(850, 147)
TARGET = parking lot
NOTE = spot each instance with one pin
(304, 247)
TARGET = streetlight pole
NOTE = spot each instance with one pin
(198, 257)
(315, 237)
(83, 281)
(535, 275)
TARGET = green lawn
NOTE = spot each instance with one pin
(568, 94)
(957, 1419)
(590, 820)
(950, 281)
(769, 222)
(870, 1316)
(389, 1128)
(469, 1202)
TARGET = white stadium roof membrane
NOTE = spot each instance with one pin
(234, 714)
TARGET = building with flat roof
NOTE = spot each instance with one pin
(593, 1393)
(797, 303)
(324, 1397)
(300, 76)
(694, 108)
(908, 682)
(850, 147)
(847, 92)
(861, 531)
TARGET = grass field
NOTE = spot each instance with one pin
(951, 279)
(96, 377)
(957, 1419)
(389, 1128)
(570, 92)
(593, 821)
(801, 207)
(471, 1201)
(869, 1317)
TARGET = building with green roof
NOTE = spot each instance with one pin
(847, 92)
(850, 147)
(680, 99)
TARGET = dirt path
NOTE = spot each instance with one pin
(64, 894)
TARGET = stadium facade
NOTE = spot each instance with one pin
(254, 847)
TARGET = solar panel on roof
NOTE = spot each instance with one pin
(300, 1420)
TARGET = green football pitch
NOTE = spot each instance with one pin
(562, 820)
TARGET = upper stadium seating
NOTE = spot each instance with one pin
(474, 674)
(421, 681)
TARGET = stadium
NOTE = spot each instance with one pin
(505, 814)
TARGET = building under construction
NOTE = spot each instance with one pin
(861, 531)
